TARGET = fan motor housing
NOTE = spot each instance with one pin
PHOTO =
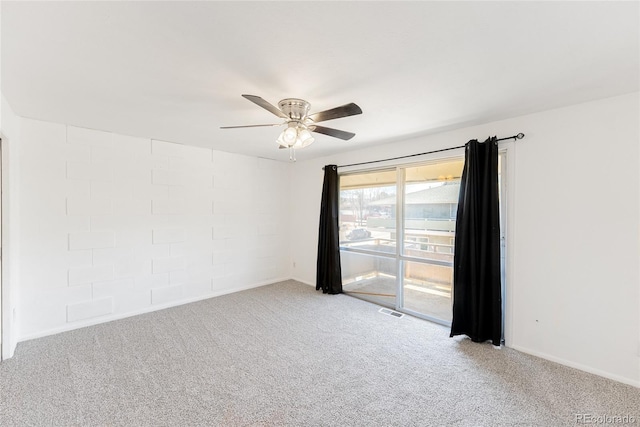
(296, 109)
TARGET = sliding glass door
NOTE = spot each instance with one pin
(397, 232)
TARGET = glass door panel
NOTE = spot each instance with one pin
(368, 235)
(429, 218)
(427, 289)
(369, 277)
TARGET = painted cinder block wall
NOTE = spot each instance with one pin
(113, 226)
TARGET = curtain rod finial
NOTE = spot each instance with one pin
(520, 135)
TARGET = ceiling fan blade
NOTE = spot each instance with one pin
(264, 104)
(249, 126)
(332, 132)
(336, 113)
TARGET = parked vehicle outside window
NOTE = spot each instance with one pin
(358, 233)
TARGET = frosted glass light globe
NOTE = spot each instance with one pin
(290, 135)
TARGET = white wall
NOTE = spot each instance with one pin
(573, 292)
(114, 226)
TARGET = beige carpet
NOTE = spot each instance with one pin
(285, 354)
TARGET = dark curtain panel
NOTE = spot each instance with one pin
(477, 300)
(328, 271)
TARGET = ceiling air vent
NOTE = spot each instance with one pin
(390, 312)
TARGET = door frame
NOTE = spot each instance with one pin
(2, 299)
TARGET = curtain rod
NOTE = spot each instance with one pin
(514, 137)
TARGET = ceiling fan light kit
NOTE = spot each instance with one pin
(300, 123)
(293, 137)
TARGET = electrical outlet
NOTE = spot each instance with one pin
(294, 264)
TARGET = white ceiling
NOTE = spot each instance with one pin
(175, 70)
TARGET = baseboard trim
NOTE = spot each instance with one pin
(148, 309)
(581, 367)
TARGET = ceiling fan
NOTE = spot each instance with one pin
(300, 123)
